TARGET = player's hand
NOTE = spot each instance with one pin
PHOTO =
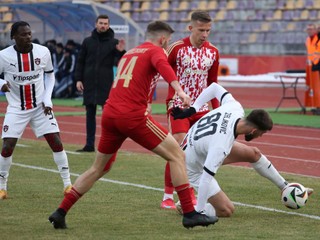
(179, 113)
(80, 86)
(5, 87)
(47, 110)
(186, 100)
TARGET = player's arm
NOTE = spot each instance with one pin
(49, 85)
(211, 92)
(160, 62)
(207, 181)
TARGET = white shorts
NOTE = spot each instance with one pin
(195, 170)
(14, 124)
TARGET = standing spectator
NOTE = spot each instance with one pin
(28, 82)
(64, 86)
(312, 95)
(127, 114)
(94, 72)
(196, 63)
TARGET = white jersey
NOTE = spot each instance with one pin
(210, 139)
(25, 74)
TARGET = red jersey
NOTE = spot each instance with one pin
(137, 75)
(196, 68)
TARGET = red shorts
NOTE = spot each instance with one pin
(183, 125)
(143, 130)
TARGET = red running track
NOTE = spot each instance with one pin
(291, 149)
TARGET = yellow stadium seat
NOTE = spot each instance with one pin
(202, 5)
(164, 16)
(231, 5)
(126, 6)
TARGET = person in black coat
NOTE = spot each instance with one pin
(94, 75)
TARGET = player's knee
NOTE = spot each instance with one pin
(255, 154)
(7, 149)
(226, 211)
(6, 152)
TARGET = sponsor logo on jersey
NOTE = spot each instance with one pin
(25, 78)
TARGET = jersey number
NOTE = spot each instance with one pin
(207, 126)
(125, 73)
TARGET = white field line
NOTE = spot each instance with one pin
(161, 190)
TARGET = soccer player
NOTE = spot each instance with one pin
(210, 141)
(127, 114)
(28, 83)
(195, 61)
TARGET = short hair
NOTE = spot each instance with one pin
(16, 25)
(102, 16)
(158, 26)
(202, 16)
(261, 119)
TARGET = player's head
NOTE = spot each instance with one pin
(260, 121)
(102, 23)
(159, 33)
(200, 27)
(21, 33)
(311, 29)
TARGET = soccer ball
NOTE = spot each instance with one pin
(294, 196)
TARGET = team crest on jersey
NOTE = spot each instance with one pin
(37, 61)
(5, 128)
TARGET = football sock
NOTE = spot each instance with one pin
(184, 195)
(265, 168)
(167, 180)
(70, 199)
(61, 160)
(167, 196)
(5, 164)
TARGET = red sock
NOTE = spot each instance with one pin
(184, 195)
(168, 188)
(70, 199)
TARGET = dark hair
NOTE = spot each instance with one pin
(261, 119)
(202, 16)
(15, 26)
(102, 16)
(159, 26)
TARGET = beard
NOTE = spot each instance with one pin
(248, 137)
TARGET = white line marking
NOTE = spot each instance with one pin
(161, 190)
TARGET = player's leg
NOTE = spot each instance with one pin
(243, 153)
(110, 142)
(170, 151)
(60, 158)
(8, 146)
(47, 126)
(167, 201)
(82, 185)
(13, 127)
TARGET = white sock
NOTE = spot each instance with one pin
(167, 196)
(265, 168)
(5, 164)
(61, 159)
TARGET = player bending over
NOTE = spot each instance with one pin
(210, 142)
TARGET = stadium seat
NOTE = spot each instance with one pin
(220, 15)
(125, 6)
(231, 5)
(184, 5)
(212, 5)
(202, 5)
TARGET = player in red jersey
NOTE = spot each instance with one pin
(195, 61)
(127, 114)
(28, 94)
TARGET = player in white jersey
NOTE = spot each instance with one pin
(28, 83)
(211, 140)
